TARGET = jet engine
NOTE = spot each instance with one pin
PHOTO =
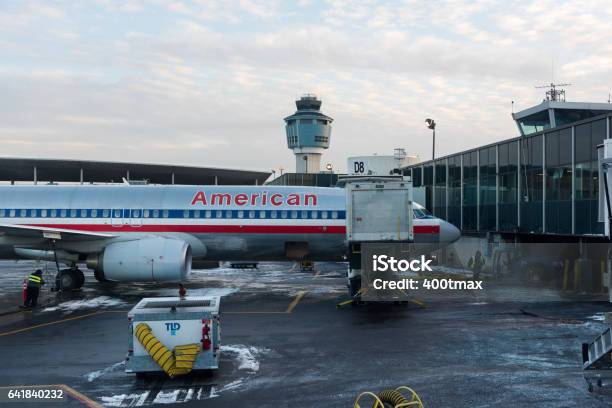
(144, 260)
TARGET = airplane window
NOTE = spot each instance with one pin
(105, 213)
(293, 214)
(83, 213)
(314, 214)
(196, 213)
(63, 213)
(53, 213)
(155, 213)
(23, 213)
(165, 213)
(304, 214)
(145, 213)
(12, 213)
(73, 213)
(2, 212)
(208, 214)
(251, 214)
(136, 213)
(34, 213)
(334, 214)
(273, 214)
(186, 214)
(94, 213)
(240, 214)
(284, 214)
(117, 213)
(228, 214)
(219, 214)
(43, 213)
(262, 214)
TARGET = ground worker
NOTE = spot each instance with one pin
(35, 281)
(182, 291)
(476, 263)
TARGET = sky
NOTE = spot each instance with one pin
(208, 82)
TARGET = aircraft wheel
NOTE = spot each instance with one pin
(100, 276)
(67, 279)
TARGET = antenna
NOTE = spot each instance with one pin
(553, 94)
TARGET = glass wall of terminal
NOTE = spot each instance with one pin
(454, 190)
(532, 158)
(508, 186)
(440, 189)
(470, 191)
(586, 184)
(544, 183)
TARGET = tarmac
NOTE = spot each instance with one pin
(286, 343)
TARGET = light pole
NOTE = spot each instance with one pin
(431, 124)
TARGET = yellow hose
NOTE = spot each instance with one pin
(175, 363)
(393, 398)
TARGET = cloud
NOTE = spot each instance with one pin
(208, 82)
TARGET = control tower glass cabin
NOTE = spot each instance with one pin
(550, 114)
(308, 134)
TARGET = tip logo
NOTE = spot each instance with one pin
(173, 328)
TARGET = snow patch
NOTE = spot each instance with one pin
(122, 400)
(231, 386)
(246, 355)
(97, 374)
(212, 292)
(166, 397)
(94, 303)
(598, 317)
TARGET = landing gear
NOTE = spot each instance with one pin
(100, 276)
(69, 279)
(354, 286)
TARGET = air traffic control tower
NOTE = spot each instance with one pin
(308, 132)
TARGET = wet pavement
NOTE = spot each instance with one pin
(285, 343)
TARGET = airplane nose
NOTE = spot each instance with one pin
(448, 232)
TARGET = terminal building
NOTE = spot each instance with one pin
(544, 182)
(44, 171)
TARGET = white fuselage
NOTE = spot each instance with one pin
(219, 222)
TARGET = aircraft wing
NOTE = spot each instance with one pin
(29, 231)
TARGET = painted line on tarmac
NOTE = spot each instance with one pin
(36, 326)
(289, 309)
(297, 299)
(67, 389)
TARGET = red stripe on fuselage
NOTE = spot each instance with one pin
(426, 229)
(229, 229)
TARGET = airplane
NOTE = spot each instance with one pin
(136, 233)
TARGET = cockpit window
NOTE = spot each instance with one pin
(421, 213)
